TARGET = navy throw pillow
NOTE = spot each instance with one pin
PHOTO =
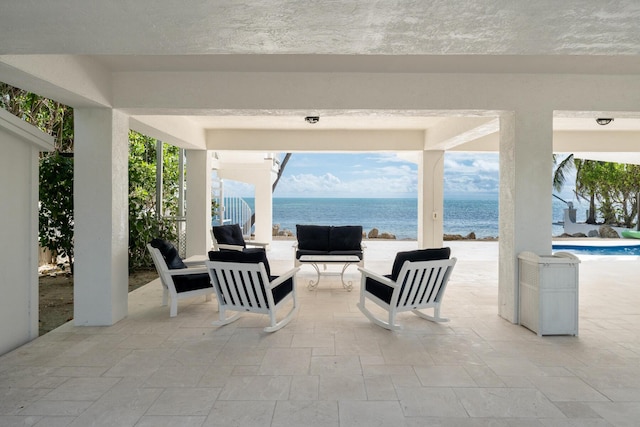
(418, 255)
(169, 253)
(229, 234)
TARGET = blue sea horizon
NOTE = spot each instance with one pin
(397, 216)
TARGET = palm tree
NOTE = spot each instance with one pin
(562, 169)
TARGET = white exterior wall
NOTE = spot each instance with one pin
(261, 176)
(20, 144)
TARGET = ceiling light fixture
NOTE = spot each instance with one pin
(603, 121)
(312, 119)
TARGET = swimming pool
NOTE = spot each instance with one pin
(598, 249)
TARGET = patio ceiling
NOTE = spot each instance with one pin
(118, 38)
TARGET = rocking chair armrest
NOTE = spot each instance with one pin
(378, 277)
(230, 247)
(283, 278)
(195, 261)
(256, 244)
(187, 271)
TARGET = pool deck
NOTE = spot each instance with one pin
(331, 367)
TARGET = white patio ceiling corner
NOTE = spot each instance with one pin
(413, 77)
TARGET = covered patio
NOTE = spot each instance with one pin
(332, 367)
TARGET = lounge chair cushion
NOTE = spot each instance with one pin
(229, 234)
(249, 256)
(169, 253)
(417, 255)
(191, 282)
(254, 256)
(313, 237)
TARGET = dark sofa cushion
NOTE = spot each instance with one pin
(417, 255)
(229, 234)
(249, 256)
(169, 253)
(313, 237)
(345, 238)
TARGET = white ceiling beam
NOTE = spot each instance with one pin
(77, 81)
(174, 130)
(600, 141)
(318, 141)
(454, 131)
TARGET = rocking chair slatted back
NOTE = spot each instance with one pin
(241, 286)
(423, 283)
(247, 287)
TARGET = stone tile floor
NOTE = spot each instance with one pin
(331, 367)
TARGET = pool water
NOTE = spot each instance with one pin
(599, 250)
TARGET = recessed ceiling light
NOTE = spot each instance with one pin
(603, 121)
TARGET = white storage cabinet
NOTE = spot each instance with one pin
(548, 293)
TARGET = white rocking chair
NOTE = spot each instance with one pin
(417, 285)
(243, 284)
(178, 279)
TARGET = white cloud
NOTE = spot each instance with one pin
(384, 184)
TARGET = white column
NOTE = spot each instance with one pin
(198, 202)
(430, 199)
(264, 204)
(101, 229)
(526, 162)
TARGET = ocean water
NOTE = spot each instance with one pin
(397, 216)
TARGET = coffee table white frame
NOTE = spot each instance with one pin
(314, 260)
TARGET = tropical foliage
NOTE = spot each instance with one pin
(145, 221)
(56, 179)
(611, 189)
(56, 169)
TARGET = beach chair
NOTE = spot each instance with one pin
(178, 280)
(229, 237)
(243, 283)
(418, 281)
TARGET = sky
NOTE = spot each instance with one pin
(384, 175)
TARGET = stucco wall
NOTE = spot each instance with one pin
(18, 232)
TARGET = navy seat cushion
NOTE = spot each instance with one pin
(345, 238)
(192, 282)
(378, 289)
(169, 253)
(230, 234)
(313, 237)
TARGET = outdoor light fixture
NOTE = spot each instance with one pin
(312, 119)
(603, 121)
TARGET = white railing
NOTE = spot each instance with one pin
(235, 210)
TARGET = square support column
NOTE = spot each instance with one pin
(264, 203)
(101, 211)
(198, 202)
(430, 199)
(526, 164)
